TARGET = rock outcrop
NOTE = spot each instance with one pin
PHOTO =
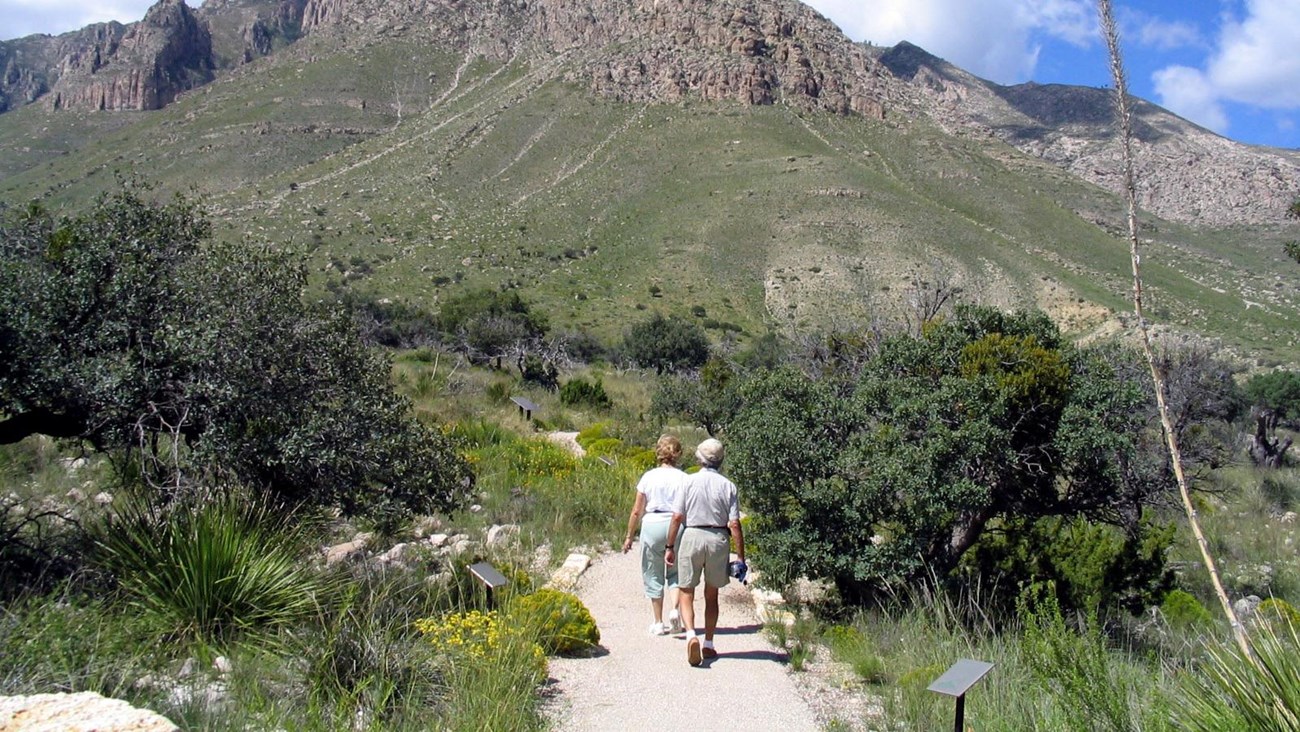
(775, 51)
(82, 712)
(148, 66)
(143, 65)
(752, 52)
(1185, 173)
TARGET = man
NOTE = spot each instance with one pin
(707, 510)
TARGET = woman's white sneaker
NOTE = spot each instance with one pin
(658, 629)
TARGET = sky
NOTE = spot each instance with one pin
(1232, 66)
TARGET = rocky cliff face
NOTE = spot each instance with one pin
(747, 51)
(165, 54)
(144, 65)
(1185, 173)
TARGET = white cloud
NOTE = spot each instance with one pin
(1255, 61)
(24, 17)
(1258, 58)
(993, 39)
(1161, 34)
(1187, 92)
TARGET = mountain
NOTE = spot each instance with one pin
(740, 156)
(1185, 173)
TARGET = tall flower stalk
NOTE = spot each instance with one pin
(1123, 117)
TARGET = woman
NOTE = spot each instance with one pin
(654, 501)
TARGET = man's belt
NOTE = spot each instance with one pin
(724, 528)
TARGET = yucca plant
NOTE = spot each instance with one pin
(211, 569)
(1233, 692)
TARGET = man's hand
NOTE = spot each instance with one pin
(670, 556)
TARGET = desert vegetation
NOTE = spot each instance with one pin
(965, 484)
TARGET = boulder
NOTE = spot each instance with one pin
(347, 550)
(81, 712)
(499, 535)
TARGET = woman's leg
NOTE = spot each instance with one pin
(654, 539)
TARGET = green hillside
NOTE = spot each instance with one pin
(767, 217)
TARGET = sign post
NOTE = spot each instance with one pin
(956, 681)
(526, 407)
(490, 577)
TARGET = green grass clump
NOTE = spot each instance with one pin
(211, 570)
(1279, 612)
(1233, 692)
(67, 641)
(492, 668)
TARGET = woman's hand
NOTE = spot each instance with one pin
(627, 544)
(670, 556)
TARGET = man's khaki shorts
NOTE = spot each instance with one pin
(703, 555)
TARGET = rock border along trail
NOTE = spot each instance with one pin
(636, 681)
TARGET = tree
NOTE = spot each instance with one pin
(125, 326)
(667, 344)
(1277, 391)
(490, 325)
(1275, 400)
(982, 418)
(709, 399)
(1292, 250)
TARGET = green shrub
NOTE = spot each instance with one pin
(580, 392)
(643, 460)
(1091, 566)
(560, 620)
(1182, 610)
(1075, 666)
(1280, 612)
(605, 446)
(210, 571)
(591, 433)
(666, 345)
(838, 637)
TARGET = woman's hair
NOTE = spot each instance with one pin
(668, 450)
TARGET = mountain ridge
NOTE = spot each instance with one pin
(672, 51)
(413, 150)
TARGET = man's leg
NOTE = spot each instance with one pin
(710, 611)
(686, 606)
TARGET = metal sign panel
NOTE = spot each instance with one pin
(488, 575)
(960, 677)
(525, 404)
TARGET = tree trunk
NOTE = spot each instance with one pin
(1266, 448)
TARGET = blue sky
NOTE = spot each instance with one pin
(1230, 65)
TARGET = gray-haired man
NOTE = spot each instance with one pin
(708, 508)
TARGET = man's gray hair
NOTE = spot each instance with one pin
(709, 453)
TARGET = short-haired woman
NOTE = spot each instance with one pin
(655, 494)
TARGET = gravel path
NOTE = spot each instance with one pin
(641, 682)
